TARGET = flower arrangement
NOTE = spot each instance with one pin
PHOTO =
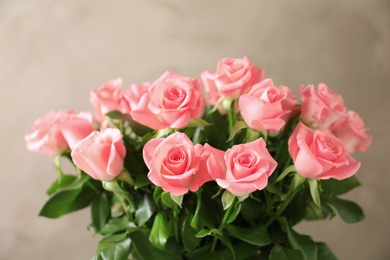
(220, 167)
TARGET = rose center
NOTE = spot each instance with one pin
(174, 97)
(245, 164)
(176, 161)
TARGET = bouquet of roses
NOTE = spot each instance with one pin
(220, 167)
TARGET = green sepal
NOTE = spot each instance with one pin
(227, 199)
(195, 122)
(313, 186)
(237, 127)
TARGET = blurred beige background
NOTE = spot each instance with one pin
(53, 52)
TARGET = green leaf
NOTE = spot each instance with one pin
(226, 241)
(282, 253)
(145, 210)
(157, 195)
(238, 126)
(116, 247)
(301, 242)
(194, 122)
(258, 236)
(206, 232)
(188, 235)
(160, 231)
(244, 251)
(324, 253)
(340, 187)
(115, 114)
(100, 211)
(227, 199)
(63, 180)
(146, 251)
(66, 201)
(216, 136)
(349, 211)
(313, 185)
(247, 212)
(115, 225)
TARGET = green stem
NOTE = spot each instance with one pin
(284, 205)
(176, 226)
(123, 203)
(223, 223)
(231, 116)
(57, 165)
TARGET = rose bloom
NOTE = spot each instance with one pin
(134, 93)
(242, 169)
(109, 97)
(321, 108)
(232, 78)
(101, 154)
(57, 132)
(77, 127)
(47, 137)
(171, 101)
(265, 105)
(318, 154)
(175, 164)
(352, 131)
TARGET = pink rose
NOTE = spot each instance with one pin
(232, 78)
(175, 164)
(101, 154)
(321, 108)
(171, 101)
(57, 132)
(77, 127)
(134, 93)
(318, 154)
(289, 103)
(242, 169)
(109, 97)
(352, 131)
(262, 108)
(47, 137)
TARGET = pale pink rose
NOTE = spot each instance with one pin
(321, 108)
(171, 101)
(101, 154)
(109, 97)
(47, 137)
(262, 108)
(352, 131)
(289, 103)
(175, 164)
(77, 127)
(318, 154)
(134, 93)
(242, 169)
(232, 78)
